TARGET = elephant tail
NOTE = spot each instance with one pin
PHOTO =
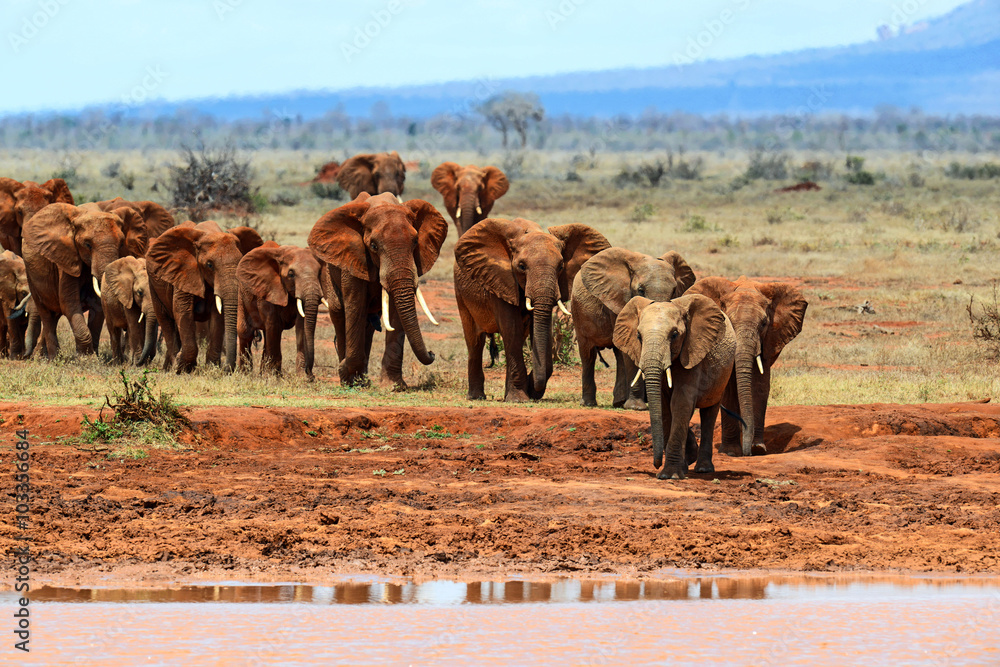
(606, 364)
(734, 416)
(494, 351)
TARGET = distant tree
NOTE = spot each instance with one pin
(512, 111)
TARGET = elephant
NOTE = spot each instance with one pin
(279, 289)
(689, 342)
(509, 275)
(66, 250)
(20, 201)
(15, 296)
(373, 173)
(469, 192)
(156, 217)
(605, 283)
(143, 221)
(127, 301)
(766, 317)
(375, 249)
(191, 269)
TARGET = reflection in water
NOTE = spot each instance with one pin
(444, 593)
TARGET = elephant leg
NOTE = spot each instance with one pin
(50, 341)
(634, 398)
(474, 341)
(69, 303)
(392, 357)
(588, 357)
(4, 344)
(216, 333)
(339, 334)
(33, 333)
(732, 431)
(681, 411)
(95, 322)
(244, 341)
(115, 338)
(168, 332)
(184, 313)
(512, 333)
(708, 416)
(300, 349)
(271, 358)
(358, 332)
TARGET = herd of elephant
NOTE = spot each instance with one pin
(127, 265)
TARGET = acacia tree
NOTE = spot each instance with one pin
(512, 111)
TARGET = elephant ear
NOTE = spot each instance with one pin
(608, 277)
(484, 254)
(158, 219)
(134, 228)
(580, 243)
(432, 230)
(338, 239)
(495, 185)
(443, 179)
(173, 257)
(51, 231)
(60, 191)
(355, 174)
(715, 288)
(8, 278)
(706, 325)
(246, 238)
(260, 271)
(626, 333)
(789, 308)
(123, 277)
(682, 272)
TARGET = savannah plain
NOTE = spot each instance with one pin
(883, 433)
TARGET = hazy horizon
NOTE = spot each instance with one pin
(193, 49)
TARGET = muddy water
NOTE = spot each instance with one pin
(787, 620)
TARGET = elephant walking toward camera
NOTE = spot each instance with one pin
(279, 289)
(375, 249)
(605, 283)
(509, 275)
(66, 250)
(688, 344)
(192, 276)
(373, 173)
(15, 298)
(766, 317)
(469, 192)
(19, 201)
(127, 301)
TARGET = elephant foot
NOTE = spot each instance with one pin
(672, 472)
(517, 396)
(635, 404)
(476, 396)
(704, 466)
(758, 449)
(589, 403)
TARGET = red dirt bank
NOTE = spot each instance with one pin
(284, 494)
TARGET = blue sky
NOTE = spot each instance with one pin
(66, 54)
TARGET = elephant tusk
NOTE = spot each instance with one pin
(141, 315)
(23, 303)
(479, 210)
(218, 303)
(97, 286)
(562, 307)
(325, 302)
(427, 311)
(458, 215)
(527, 303)
(670, 379)
(385, 311)
(399, 199)
(638, 375)
(760, 365)
(298, 305)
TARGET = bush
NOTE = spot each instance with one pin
(328, 190)
(696, 223)
(973, 172)
(137, 415)
(986, 322)
(684, 170)
(856, 174)
(642, 212)
(212, 180)
(563, 340)
(645, 174)
(112, 169)
(769, 165)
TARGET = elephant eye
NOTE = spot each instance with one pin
(374, 246)
(674, 334)
(522, 266)
(210, 264)
(291, 273)
(641, 291)
(90, 246)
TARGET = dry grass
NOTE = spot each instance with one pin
(915, 252)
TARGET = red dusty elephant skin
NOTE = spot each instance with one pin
(469, 192)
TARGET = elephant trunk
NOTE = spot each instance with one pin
(403, 289)
(311, 306)
(228, 293)
(541, 346)
(745, 367)
(653, 374)
(149, 344)
(467, 208)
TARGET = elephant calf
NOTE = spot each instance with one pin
(601, 289)
(15, 298)
(279, 289)
(690, 343)
(128, 301)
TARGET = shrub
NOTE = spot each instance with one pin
(136, 415)
(696, 223)
(112, 169)
(327, 190)
(766, 164)
(684, 170)
(986, 322)
(973, 171)
(563, 340)
(856, 173)
(642, 212)
(212, 180)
